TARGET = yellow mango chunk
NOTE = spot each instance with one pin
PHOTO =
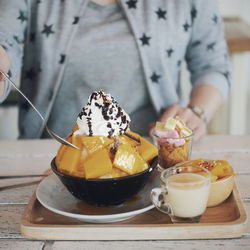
(221, 169)
(98, 164)
(147, 150)
(129, 160)
(76, 140)
(115, 173)
(61, 151)
(69, 160)
(126, 139)
(78, 174)
(159, 125)
(60, 154)
(79, 171)
(214, 178)
(94, 143)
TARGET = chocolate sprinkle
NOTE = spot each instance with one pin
(124, 119)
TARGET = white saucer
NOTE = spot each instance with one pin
(53, 195)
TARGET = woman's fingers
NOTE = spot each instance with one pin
(199, 132)
(193, 121)
(4, 63)
(171, 111)
(2, 77)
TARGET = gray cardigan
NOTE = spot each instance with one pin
(37, 35)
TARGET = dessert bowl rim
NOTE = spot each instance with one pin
(223, 179)
(152, 166)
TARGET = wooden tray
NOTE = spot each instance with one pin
(227, 220)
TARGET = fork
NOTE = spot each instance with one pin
(51, 133)
(3, 177)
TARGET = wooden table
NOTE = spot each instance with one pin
(34, 156)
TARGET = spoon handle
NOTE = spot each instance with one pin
(52, 134)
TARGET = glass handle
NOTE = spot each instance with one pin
(157, 198)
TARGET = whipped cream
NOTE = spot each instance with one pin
(102, 116)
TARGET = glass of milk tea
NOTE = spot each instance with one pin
(183, 194)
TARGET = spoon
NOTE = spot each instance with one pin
(51, 133)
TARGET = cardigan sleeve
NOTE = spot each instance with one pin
(13, 24)
(207, 56)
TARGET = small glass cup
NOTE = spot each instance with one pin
(172, 150)
(183, 194)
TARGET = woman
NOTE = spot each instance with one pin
(130, 48)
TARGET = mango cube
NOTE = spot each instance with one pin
(115, 173)
(98, 164)
(70, 160)
(170, 123)
(128, 160)
(221, 169)
(126, 139)
(147, 150)
(159, 125)
(68, 157)
(94, 143)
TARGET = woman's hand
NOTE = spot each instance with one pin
(205, 96)
(192, 120)
(4, 66)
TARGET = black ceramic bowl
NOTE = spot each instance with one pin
(105, 192)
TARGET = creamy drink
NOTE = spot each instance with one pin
(183, 194)
(187, 194)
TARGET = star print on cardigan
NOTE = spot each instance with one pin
(206, 67)
(9, 44)
(226, 74)
(179, 63)
(161, 14)
(155, 78)
(32, 37)
(145, 39)
(47, 30)
(18, 40)
(22, 16)
(186, 26)
(38, 1)
(193, 13)
(170, 51)
(4, 47)
(196, 43)
(210, 46)
(9, 73)
(132, 4)
(215, 19)
(30, 73)
(62, 58)
(76, 20)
